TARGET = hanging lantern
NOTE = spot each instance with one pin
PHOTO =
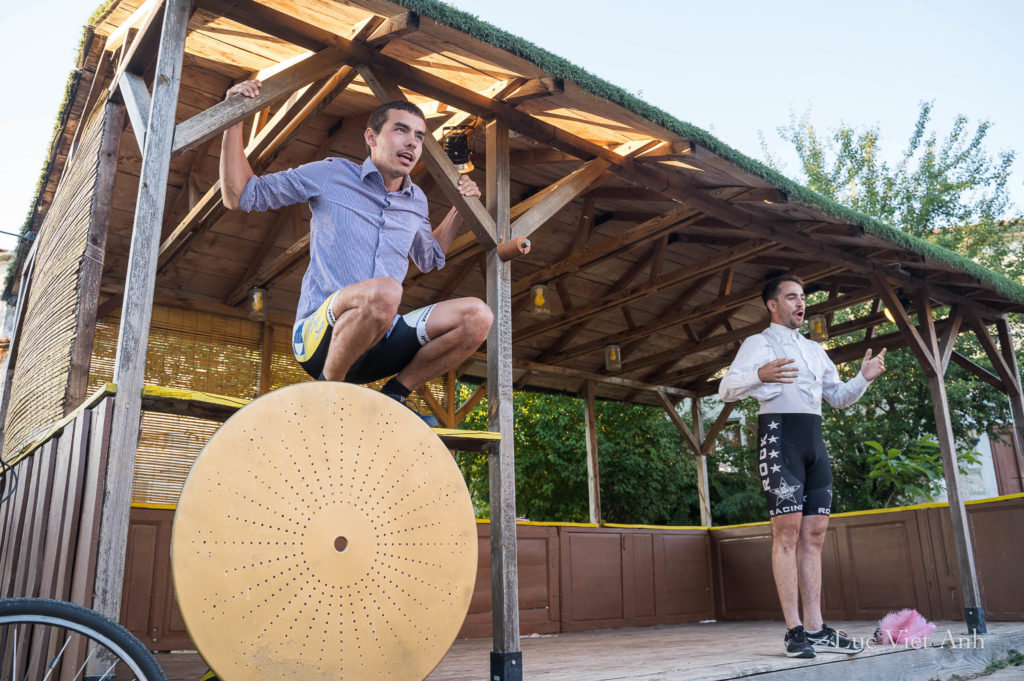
(817, 327)
(455, 143)
(257, 304)
(612, 357)
(541, 301)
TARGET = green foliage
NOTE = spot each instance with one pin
(916, 473)
(645, 476)
(948, 190)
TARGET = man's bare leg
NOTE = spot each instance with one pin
(785, 536)
(812, 538)
(456, 329)
(363, 313)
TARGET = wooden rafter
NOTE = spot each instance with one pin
(921, 347)
(546, 203)
(624, 241)
(698, 313)
(988, 344)
(678, 422)
(680, 276)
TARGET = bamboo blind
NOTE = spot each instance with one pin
(39, 384)
(195, 351)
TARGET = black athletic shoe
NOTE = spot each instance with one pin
(429, 419)
(796, 643)
(828, 640)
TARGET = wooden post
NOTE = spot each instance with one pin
(703, 488)
(137, 310)
(1016, 400)
(973, 610)
(925, 345)
(593, 471)
(92, 263)
(506, 658)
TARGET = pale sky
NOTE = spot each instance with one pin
(736, 69)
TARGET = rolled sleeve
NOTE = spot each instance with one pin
(426, 251)
(295, 185)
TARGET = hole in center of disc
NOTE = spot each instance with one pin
(340, 544)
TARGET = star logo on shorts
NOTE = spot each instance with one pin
(776, 468)
(773, 439)
(774, 454)
(773, 425)
(785, 492)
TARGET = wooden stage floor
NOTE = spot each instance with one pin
(715, 651)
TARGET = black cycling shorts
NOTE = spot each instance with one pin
(795, 472)
(311, 339)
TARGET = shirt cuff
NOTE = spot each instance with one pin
(859, 381)
(248, 197)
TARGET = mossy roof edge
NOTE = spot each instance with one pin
(588, 82)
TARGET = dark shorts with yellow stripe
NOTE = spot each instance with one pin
(311, 339)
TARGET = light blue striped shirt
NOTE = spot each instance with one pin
(359, 230)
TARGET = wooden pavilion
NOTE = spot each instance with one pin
(651, 234)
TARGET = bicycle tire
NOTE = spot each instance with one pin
(85, 635)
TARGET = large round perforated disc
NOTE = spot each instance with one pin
(324, 533)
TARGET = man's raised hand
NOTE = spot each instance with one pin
(873, 367)
(778, 371)
(248, 88)
(467, 187)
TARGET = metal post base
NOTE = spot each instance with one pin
(975, 623)
(507, 666)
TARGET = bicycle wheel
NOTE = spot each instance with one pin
(42, 639)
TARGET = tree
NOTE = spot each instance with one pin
(646, 477)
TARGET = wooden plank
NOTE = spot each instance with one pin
(129, 367)
(139, 54)
(467, 440)
(83, 572)
(948, 341)
(593, 465)
(556, 196)
(440, 166)
(218, 118)
(280, 266)
(670, 408)
(501, 461)
(1010, 381)
(18, 528)
(918, 345)
(977, 371)
(1016, 398)
(723, 417)
(703, 484)
(57, 512)
(91, 272)
(40, 520)
(394, 27)
(436, 407)
(69, 536)
(137, 102)
(470, 404)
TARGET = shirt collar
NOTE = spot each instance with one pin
(784, 332)
(368, 168)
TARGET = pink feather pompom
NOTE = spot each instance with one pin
(907, 627)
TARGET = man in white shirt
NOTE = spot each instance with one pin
(789, 375)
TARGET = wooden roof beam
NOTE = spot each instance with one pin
(698, 313)
(394, 27)
(534, 88)
(221, 116)
(683, 274)
(624, 241)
